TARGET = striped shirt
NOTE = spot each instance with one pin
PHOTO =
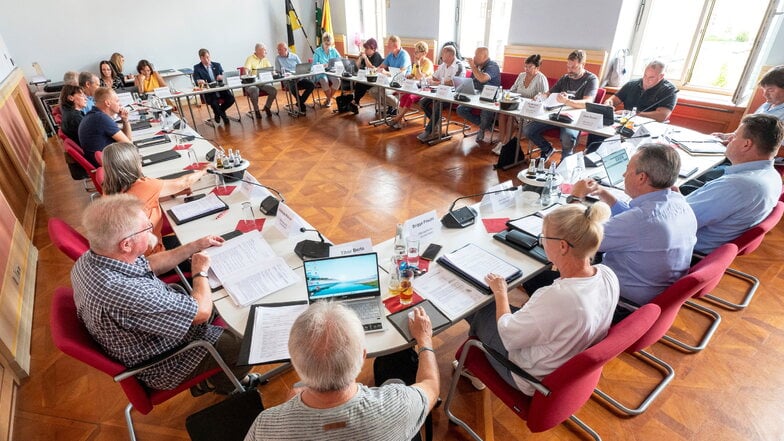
(388, 413)
(135, 316)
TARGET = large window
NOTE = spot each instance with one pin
(365, 19)
(474, 26)
(708, 45)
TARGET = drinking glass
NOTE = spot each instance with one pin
(247, 215)
(219, 181)
(394, 277)
(412, 252)
(192, 158)
(406, 287)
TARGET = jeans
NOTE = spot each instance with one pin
(253, 93)
(432, 111)
(534, 129)
(484, 120)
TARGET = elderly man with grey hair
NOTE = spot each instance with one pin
(255, 62)
(133, 315)
(327, 348)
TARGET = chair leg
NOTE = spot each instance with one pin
(585, 428)
(708, 333)
(755, 283)
(651, 360)
(452, 388)
(129, 422)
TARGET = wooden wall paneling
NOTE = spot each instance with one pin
(553, 59)
(8, 391)
(706, 117)
(340, 44)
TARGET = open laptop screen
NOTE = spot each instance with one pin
(615, 166)
(342, 277)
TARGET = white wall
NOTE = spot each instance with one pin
(6, 62)
(65, 36)
(413, 18)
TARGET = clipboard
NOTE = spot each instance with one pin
(247, 339)
(221, 206)
(400, 319)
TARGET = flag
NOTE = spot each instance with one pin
(291, 24)
(318, 25)
(326, 19)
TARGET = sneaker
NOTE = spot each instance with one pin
(477, 383)
(226, 119)
(397, 125)
(328, 103)
(480, 136)
(424, 136)
(497, 149)
(258, 114)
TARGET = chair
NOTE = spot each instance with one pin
(99, 158)
(70, 336)
(74, 152)
(747, 243)
(563, 391)
(702, 278)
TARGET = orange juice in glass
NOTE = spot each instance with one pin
(406, 288)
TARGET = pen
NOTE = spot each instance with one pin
(221, 214)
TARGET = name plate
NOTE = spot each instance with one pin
(532, 108)
(444, 92)
(162, 92)
(339, 68)
(422, 227)
(362, 74)
(590, 121)
(383, 80)
(410, 85)
(126, 99)
(317, 68)
(361, 246)
(498, 201)
(488, 93)
(266, 77)
(287, 221)
(233, 81)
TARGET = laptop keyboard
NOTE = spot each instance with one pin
(368, 313)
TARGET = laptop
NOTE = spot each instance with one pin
(303, 68)
(607, 112)
(615, 166)
(464, 86)
(351, 280)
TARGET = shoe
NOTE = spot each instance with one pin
(225, 119)
(497, 149)
(328, 103)
(480, 136)
(268, 112)
(354, 108)
(258, 114)
(216, 122)
(477, 383)
(302, 108)
(202, 388)
(391, 111)
(252, 381)
(424, 136)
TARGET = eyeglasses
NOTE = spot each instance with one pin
(541, 238)
(138, 232)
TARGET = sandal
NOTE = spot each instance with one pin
(201, 389)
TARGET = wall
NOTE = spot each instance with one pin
(413, 18)
(168, 33)
(6, 62)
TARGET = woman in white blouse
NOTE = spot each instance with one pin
(560, 320)
(528, 84)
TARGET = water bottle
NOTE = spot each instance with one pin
(547, 191)
(400, 245)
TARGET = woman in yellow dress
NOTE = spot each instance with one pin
(148, 79)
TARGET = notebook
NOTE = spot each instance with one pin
(615, 166)
(352, 280)
(149, 142)
(607, 112)
(303, 68)
(155, 158)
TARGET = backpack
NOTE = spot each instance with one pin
(620, 69)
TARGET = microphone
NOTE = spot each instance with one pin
(465, 216)
(627, 132)
(269, 205)
(311, 249)
(395, 83)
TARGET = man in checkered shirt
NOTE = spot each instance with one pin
(135, 316)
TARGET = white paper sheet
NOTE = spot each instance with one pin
(271, 329)
(449, 293)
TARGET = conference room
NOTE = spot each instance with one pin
(353, 180)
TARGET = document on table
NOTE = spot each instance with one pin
(551, 102)
(529, 224)
(473, 263)
(197, 209)
(267, 332)
(448, 292)
(249, 269)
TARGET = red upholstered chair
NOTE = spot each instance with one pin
(701, 279)
(99, 158)
(507, 80)
(562, 392)
(70, 336)
(747, 243)
(66, 239)
(74, 151)
(61, 134)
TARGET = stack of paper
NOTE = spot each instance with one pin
(473, 264)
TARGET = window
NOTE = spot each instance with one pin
(474, 29)
(708, 45)
(365, 19)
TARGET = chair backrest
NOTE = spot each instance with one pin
(71, 337)
(61, 134)
(86, 165)
(752, 238)
(572, 384)
(70, 142)
(599, 98)
(700, 280)
(66, 239)
(508, 80)
(99, 157)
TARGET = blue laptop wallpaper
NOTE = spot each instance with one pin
(342, 276)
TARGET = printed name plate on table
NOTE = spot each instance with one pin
(449, 293)
(590, 121)
(162, 92)
(339, 68)
(233, 81)
(287, 221)
(266, 77)
(488, 93)
(250, 190)
(498, 201)
(126, 99)
(532, 108)
(317, 68)
(641, 136)
(422, 227)
(361, 246)
(382, 80)
(249, 269)
(362, 74)
(444, 92)
(410, 85)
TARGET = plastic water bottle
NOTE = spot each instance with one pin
(547, 191)
(400, 245)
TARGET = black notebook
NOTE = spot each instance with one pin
(400, 319)
(149, 142)
(197, 209)
(155, 158)
(523, 242)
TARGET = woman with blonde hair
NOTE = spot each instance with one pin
(560, 320)
(422, 69)
(322, 55)
(122, 166)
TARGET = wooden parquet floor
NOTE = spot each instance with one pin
(352, 180)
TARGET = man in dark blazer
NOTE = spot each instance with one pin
(210, 72)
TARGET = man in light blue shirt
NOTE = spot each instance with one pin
(287, 61)
(398, 58)
(749, 189)
(648, 241)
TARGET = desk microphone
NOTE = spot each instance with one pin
(626, 132)
(269, 205)
(311, 249)
(465, 216)
(566, 119)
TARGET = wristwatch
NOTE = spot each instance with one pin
(200, 274)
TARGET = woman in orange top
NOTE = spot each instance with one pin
(148, 79)
(123, 168)
(422, 69)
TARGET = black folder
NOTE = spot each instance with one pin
(523, 242)
(155, 158)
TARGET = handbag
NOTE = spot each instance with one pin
(343, 102)
(228, 420)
